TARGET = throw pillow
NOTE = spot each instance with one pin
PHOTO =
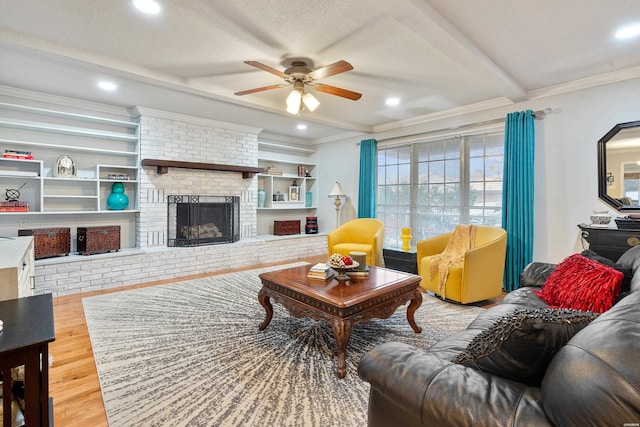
(581, 284)
(626, 271)
(520, 345)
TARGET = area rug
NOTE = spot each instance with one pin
(190, 354)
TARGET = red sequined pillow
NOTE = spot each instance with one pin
(581, 284)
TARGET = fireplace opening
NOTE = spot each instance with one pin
(202, 220)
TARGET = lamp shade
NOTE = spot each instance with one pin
(293, 102)
(337, 190)
(310, 101)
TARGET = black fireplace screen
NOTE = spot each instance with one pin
(203, 220)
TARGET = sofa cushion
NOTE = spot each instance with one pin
(631, 259)
(626, 271)
(581, 284)
(520, 345)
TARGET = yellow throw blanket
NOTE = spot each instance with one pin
(462, 239)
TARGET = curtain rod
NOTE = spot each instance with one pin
(538, 115)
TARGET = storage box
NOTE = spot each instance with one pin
(628, 223)
(49, 242)
(283, 228)
(95, 240)
(398, 259)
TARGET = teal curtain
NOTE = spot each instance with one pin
(517, 194)
(367, 186)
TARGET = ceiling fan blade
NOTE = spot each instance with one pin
(332, 90)
(259, 89)
(266, 68)
(330, 70)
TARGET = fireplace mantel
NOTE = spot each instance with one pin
(164, 165)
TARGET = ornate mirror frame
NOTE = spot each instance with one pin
(605, 177)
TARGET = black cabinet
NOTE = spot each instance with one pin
(28, 330)
(397, 259)
(609, 242)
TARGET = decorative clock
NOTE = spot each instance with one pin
(64, 167)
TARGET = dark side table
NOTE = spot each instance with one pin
(398, 259)
(28, 330)
(609, 242)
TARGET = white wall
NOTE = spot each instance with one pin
(565, 166)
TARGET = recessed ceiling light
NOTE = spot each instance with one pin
(302, 126)
(108, 86)
(628, 31)
(392, 101)
(147, 6)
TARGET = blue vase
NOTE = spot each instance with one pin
(117, 200)
(262, 197)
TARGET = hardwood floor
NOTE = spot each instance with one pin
(73, 378)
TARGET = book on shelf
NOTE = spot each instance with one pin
(359, 272)
(14, 209)
(13, 154)
(14, 206)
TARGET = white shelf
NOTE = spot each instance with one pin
(66, 130)
(91, 212)
(288, 176)
(68, 147)
(65, 196)
(289, 208)
(18, 175)
(54, 113)
(68, 179)
(286, 148)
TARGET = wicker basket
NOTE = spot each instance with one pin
(49, 242)
(283, 228)
(95, 240)
(628, 223)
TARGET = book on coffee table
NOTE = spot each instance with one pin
(321, 271)
(359, 272)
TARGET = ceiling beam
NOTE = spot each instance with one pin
(421, 18)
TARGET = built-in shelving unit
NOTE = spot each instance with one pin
(48, 134)
(298, 178)
(104, 148)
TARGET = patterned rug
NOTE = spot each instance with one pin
(190, 354)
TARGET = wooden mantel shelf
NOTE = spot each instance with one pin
(164, 165)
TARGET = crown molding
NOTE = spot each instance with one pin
(145, 111)
(587, 82)
(453, 112)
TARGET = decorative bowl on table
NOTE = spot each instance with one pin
(341, 264)
(600, 219)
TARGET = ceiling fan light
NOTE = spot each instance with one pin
(310, 102)
(293, 109)
(293, 102)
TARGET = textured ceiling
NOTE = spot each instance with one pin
(434, 55)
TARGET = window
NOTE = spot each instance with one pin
(431, 186)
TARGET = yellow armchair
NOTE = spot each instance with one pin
(359, 235)
(478, 277)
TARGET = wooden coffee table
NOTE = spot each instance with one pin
(341, 304)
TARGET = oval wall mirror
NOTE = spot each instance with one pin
(619, 167)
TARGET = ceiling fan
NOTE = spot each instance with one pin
(301, 76)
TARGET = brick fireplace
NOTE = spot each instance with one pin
(173, 137)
